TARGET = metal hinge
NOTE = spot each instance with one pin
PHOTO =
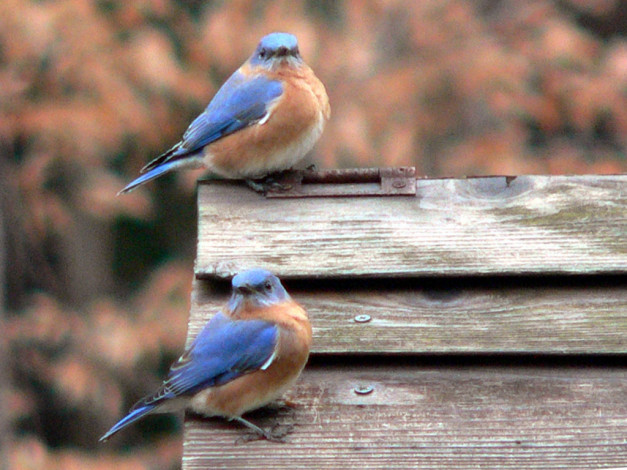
(399, 181)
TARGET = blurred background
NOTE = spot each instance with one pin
(95, 288)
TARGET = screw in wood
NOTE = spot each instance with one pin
(363, 389)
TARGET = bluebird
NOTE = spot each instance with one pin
(263, 120)
(244, 358)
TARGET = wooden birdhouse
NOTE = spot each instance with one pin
(458, 323)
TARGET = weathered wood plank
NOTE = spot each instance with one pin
(478, 226)
(436, 417)
(550, 320)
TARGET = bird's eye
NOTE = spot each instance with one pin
(268, 286)
(262, 53)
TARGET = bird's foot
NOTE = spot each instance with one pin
(257, 186)
(277, 433)
(275, 182)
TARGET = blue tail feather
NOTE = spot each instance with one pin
(151, 175)
(130, 418)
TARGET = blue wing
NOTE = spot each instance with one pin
(240, 102)
(222, 351)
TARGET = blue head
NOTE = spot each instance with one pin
(275, 49)
(256, 287)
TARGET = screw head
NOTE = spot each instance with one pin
(363, 389)
(398, 184)
(362, 318)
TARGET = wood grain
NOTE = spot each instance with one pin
(553, 320)
(478, 226)
(432, 417)
(467, 267)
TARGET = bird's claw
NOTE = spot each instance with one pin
(277, 433)
(257, 186)
(277, 182)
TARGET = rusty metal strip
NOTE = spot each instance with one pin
(365, 182)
